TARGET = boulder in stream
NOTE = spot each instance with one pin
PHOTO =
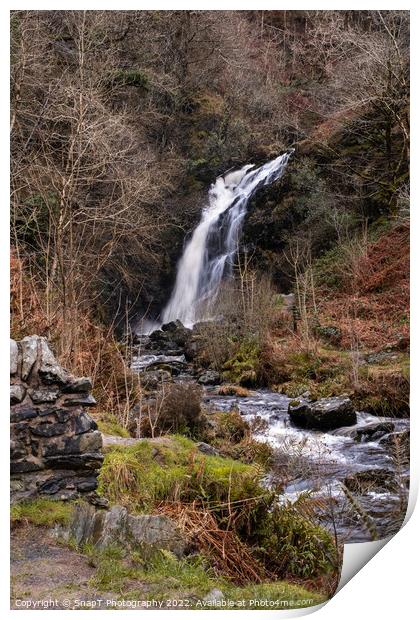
(369, 480)
(373, 431)
(209, 377)
(325, 414)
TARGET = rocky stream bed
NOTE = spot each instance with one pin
(347, 464)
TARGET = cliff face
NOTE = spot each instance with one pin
(55, 444)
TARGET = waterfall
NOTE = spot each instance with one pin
(210, 252)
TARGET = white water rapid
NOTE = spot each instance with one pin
(210, 252)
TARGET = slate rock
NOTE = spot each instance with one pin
(84, 423)
(49, 369)
(29, 346)
(26, 465)
(324, 415)
(17, 393)
(23, 412)
(44, 396)
(82, 400)
(87, 461)
(78, 385)
(49, 429)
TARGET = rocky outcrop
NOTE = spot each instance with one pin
(55, 445)
(116, 526)
(325, 414)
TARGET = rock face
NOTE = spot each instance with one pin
(324, 415)
(55, 445)
(116, 526)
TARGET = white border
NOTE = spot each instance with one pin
(387, 585)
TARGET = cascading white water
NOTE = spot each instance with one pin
(210, 252)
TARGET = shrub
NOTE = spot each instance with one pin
(232, 436)
(290, 544)
(385, 392)
(176, 409)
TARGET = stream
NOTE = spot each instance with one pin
(315, 463)
(321, 461)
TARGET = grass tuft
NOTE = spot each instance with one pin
(45, 512)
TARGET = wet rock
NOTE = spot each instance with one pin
(325, 414)
(152, 379)
(395, 441)
(173, 366)
(370, 479)
(209, 377)
(149, 362)
(178, 332)
(17, 393)
(373, 431)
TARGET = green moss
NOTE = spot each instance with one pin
(243, 367)
(172, 469)
(41, 511)
(110, 426)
